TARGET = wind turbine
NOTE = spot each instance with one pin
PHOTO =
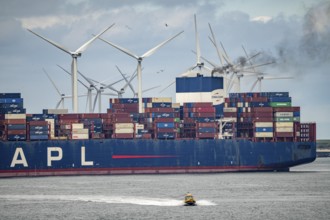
(139, 62)
(199, 64)
(89, 88)
(74, 54)
(128, 82)
(62, 95)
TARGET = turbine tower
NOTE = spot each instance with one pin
(139, 62)
(74, 55)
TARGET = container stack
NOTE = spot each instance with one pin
(199, 120)
(262, 116)
(12, 117)
(78, 132)
(92, 122)
(307, 132)
(63, 125)
(161, 118)
(40, 126)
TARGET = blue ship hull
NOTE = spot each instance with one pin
(115, 156)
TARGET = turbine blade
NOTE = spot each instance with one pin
(85, 45)
(70, 75)
(198, 50)
(129, 53)
(52, 42)
(206, 60)
(146, 90)
(254, 85)
(95, 100)
(220, 55)
(167, 87)
(58, 91)
(153, 50)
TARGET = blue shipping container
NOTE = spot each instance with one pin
(264, 129)
(165, 125)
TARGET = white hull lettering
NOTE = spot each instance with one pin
(51, 158)
(83, 158)
(19, 152)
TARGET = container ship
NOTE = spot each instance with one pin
(201, 132)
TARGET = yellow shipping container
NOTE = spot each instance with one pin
(124, 130)
(77, 126)
(124, 125)
(284, 129)
(283, 124)
(263, 134)
(264, 124)
(15, 116)
(161, 99)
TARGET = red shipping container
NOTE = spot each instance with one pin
(230, 114)
(259, 99)
(68, 116)
(40, 123)
(165, 110)
(122, 120)
(13, 121)
(89, 115)
(262, 119)
(164, 120)
(284, 134)
(123, 136)
(261, 109)
(206, 125)
(9, 132)
(262, 115)
(206, 135)
(68, 121)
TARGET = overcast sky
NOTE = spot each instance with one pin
(295, 33)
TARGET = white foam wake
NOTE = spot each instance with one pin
(107, 199)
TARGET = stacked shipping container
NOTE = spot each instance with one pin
(254, 116)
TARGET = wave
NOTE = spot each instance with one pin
(108, 199)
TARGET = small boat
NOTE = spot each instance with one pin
(189, 200)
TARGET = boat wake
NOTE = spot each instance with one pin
(107, 199)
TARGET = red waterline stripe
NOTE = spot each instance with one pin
(141, 156)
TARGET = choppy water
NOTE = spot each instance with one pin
(303, 193)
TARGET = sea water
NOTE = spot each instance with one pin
(302, 193)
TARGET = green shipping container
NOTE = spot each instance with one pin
(280, 104)
(283, 119)
(296, 119)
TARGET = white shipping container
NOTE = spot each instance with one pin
(283, 124)
(226, 105)
(124, 130)
(149, 105)
(230, 119)
(139, 126)
(263, 134)
(284, 129)
(80, 136)
(80, 131)
(240, 104)
(264, 124)
(230, 109)
(124, 125)
(15, 116)
(283, 114)
(161, 99)
(77, 126)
